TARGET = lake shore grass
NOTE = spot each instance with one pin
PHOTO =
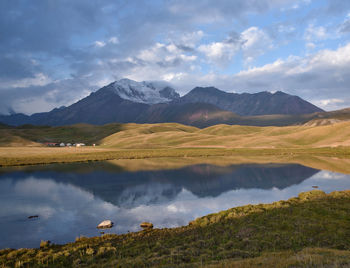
(311, 230)
(19, 156)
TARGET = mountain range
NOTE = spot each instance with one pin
(128, 101)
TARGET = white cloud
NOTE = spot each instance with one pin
(296, 5)
(219, 52)
(310, 45)
(329, 104)
(322, 78)
(190, 39)
(154, 53)
(39, 79)
(99, 44)
(314, 33)
(113, 40)
(172, 76)
(207, 12)
(255, 42)
(164, 53)
(345, 26)
(286, 28)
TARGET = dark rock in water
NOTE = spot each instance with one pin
(314, 186)
(146, 225)
(105, 224)
(33, 216)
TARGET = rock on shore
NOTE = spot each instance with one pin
(146, 225)
(105, 224)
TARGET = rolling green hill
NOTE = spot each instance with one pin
(29, 134)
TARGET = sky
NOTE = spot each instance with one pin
(55, 52)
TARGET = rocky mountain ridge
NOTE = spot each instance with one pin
(126, 101)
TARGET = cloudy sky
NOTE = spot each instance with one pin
(54, 52)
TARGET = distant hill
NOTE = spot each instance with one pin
(4, 126)
(127, 101)
(225, 136)
(261, 103)
(174, 135)
(28, 135)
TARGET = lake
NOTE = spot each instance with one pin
(72, 199)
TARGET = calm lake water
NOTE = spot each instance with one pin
(72, 199)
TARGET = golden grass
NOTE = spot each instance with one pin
(225, 136)
(141, 141)
(340, 165)
(337, 160)
(308, 257)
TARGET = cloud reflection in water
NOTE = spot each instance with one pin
(69, 207)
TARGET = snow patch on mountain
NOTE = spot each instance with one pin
(144, 92)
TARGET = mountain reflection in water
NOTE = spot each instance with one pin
(72, 199)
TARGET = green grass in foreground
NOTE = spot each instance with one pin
(311, 230)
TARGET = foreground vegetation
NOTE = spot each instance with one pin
(312, 229)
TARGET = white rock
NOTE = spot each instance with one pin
(105, 224)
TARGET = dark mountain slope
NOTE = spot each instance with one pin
(15, 119)
(127, 101)
(187, 113)
(101, 107)
(261, 103)
(98, 108)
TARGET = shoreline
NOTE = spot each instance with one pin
(313, 222)
(22, 156)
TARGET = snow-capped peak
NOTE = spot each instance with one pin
(144, 92)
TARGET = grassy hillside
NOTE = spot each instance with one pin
(29, 134)
(226, 136)
(311, 230)
(138, 141)
(169, 135)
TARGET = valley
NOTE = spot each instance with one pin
(24, 146)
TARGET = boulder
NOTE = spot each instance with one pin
(45, 243)
(105, 224)
(146, 225)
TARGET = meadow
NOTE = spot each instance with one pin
(24, 145)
